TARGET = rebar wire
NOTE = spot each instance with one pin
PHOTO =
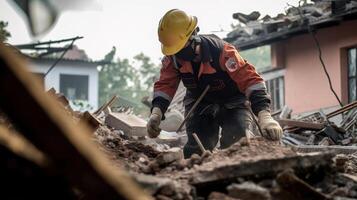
(61, 57)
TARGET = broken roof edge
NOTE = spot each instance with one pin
(96, 63)
(281, 35)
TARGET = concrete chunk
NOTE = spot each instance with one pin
(248, 191)
(130, 124)
(169, 156)
(220, 196)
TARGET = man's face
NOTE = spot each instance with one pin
(187, 52)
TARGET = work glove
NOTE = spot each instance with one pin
(154, 122)
(270, 128)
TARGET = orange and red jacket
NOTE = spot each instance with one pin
(232, 79)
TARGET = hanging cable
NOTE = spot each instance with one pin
(313, 34)
(61, 57)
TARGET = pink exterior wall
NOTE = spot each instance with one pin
(306, 85)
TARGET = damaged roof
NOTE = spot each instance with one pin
(253, 31)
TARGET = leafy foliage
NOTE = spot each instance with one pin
(130, 81)
(259, 57)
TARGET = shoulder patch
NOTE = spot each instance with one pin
(231, 65)
(165, 61)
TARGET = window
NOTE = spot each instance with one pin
(352, 77)
(74, 87)
(276, 90)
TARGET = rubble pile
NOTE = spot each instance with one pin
(253, 29)
(258, 170)
(319, 129)
(250, 169)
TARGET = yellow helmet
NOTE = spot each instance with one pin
(175, 28)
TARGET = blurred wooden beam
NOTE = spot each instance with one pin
(39, 118)
(17, 144)
(301, 124)
(26, 172)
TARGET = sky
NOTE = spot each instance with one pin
(131, 25)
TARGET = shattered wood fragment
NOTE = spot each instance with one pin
(91, 120)
(342, 110)
(300, 124)
(68, 145)
(299, 188)
(106, 105)
(130, 124)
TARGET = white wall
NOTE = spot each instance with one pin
(72, 68)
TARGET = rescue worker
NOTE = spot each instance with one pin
(198, 61)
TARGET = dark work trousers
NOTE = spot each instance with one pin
(205, 122)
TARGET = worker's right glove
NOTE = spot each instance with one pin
(270, 128)
(154, 122)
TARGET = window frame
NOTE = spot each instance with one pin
(86, 76)
(349, 77)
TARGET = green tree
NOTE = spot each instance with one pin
(4, 34)
(259, 57)
(148, 71)
(129, 82)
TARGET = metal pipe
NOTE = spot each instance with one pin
(193, 107)
(199, 143)
(248, 106)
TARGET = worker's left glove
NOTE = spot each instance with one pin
(270, 128)
(154, 122)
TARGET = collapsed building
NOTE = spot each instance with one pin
(298, 41)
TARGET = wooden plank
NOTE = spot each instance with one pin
(25, 177)
(39, 118)
(106, 105)
(342, 110)
(91, 120)
(22, 147)
(261, 167)
(301, 124)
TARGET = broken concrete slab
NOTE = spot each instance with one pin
(248, 191)
(336, 149)
(130, 124)
(262, 167)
